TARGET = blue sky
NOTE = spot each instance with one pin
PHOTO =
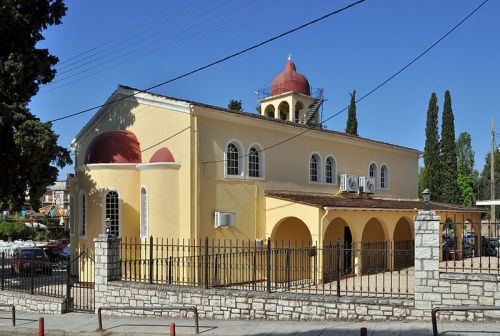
(102, 44)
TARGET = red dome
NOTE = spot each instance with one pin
(162, 155)
(290, 80)
(114, 147)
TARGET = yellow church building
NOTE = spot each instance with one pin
(152, 165)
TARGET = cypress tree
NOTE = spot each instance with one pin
(450, 191)
(352, 122)
(431, 177)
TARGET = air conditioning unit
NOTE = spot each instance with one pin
(366, 185)
(348, 183)
(259, 244)
(224, 219)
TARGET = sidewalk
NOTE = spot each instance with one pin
(87, 325)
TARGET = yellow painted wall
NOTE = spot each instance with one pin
(155, 127)
(162, 185)
(96, 181)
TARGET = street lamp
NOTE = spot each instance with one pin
(426, 194)
(108, 225)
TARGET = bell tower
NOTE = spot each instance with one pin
(291, 99)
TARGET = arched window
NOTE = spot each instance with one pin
(234, 159)
(82, 220)
(72, 215)
(372, 172)
(315, 168)
(330, 170)
(253, 163)
(384, 177)
(144, 214)
(113, 212)
(269, 111)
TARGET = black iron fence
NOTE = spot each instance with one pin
(71, 278)
(33, 276)
(368, 269)
(468, 247)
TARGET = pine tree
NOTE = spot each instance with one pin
(236, 105)
(352, 122)
(431, 177)
(450, 192)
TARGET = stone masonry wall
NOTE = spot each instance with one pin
(33, 303)
(249, 305)
(432, 289)
(436, 289)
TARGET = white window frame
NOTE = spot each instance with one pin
(144, 226)
(262, 161)
(72, 216)
(104, 210)
(375, 173)
(82, 213)
(319, 168)
(241, 159)
(334, 170)
(386, 177)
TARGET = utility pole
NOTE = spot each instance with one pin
(492, 177)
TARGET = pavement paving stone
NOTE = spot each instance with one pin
(87, 324)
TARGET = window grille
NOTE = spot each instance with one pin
(83, 215)
(383, 175)
(112, 208)
(253, 163)
(313, 169)
(144, 214)
(232, 160)
(328, 171)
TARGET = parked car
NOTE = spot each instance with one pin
(26, 259)
(488, 247)
(467, 250)
(448, 240)
(62, 242)
(448, 245)
(469, 237)
(53, 252)
(65, 255)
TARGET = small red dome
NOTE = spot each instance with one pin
(162, 155)
(114, 147)
(290, 80)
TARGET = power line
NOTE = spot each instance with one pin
(373, 90)
(117, 38)
(155, 43)
(272, 39)
(216, 62)
(132, 43)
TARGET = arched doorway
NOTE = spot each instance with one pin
(403, 244)
(291, 232)
(283, 110)
(292, 254)
(338, 230)
(373, 247)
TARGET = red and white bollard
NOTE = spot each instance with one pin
(172, 329)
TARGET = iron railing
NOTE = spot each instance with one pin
(369, 269)
(34, 277)
(468, 247)
(267, 91)
(72, 279)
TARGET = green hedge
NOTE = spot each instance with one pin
(15, 229)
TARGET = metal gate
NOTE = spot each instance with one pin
(80, 292)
